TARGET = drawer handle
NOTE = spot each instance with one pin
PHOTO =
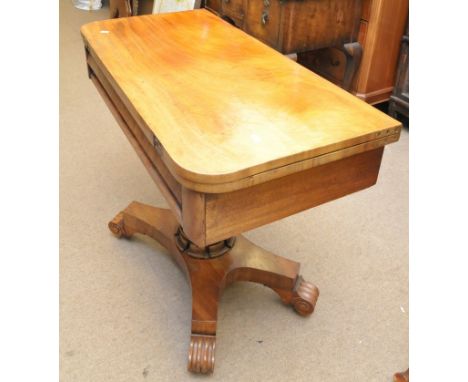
(266, 3)
(264, 17)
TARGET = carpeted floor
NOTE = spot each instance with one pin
(125, 307)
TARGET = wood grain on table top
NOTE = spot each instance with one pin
(223, 105)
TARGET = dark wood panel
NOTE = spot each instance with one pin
(213, 5)
(363, 25)
(376, 75)
(319, 24)
(329, 63)
(366, 10)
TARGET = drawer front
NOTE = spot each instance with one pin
(262, 20)
(316, 24)
(233, 9)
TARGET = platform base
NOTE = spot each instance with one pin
(210, 275)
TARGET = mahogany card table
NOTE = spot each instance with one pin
(235, 135)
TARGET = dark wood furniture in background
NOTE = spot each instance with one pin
(126, 8)
(323, 33)
(399, 101)
(246, 137)
(381, 27)
(298, 26)
(120, 8)
(289, 26)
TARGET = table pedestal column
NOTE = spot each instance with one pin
(211, 269)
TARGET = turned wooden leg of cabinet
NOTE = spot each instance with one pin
(353, 52)
(211, 269)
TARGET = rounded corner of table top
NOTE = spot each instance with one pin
(86, 29)
(212, 181)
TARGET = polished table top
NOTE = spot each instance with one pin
(223, 105)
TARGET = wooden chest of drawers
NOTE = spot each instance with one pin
(297, 26)
(380, 30)
(292, 26)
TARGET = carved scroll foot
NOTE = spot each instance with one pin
(157, 223)
(304, 297)
(117, 227)
(255, 264)
(401, 377)
(201, 354)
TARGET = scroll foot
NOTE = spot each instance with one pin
(228, 261)
(201, 353)
(117, 227)
(401, 377)
(304, 297)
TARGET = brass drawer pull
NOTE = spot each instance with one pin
(264, 17)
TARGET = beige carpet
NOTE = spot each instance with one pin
(125, 307)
